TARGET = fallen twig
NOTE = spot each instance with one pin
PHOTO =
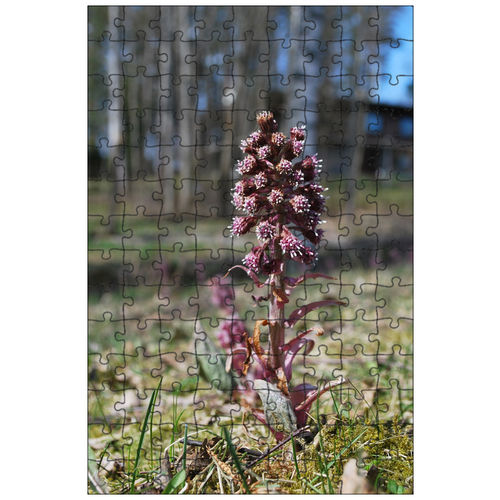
(279, 445)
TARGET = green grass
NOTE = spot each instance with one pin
(317, 469)
(148, 419)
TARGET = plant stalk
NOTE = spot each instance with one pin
(277, 314)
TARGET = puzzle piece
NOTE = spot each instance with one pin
(172, 93)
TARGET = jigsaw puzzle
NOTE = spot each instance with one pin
(250, 203)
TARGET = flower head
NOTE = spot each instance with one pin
(278, 139)
(247, 166)
(264, 152)
(276, 197)
(241, 225)
(260, 180)
(252, 260)
(297, 147)
(297, 133)
(300, 204)
(295, 248)
(284, 167)
(265, 231)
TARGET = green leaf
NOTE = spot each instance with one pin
(393, 487)
(213, 365)
(177, 481)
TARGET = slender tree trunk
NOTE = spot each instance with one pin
(115, 118)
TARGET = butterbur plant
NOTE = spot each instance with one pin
(282, 204)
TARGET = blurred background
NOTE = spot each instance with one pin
(172, 91)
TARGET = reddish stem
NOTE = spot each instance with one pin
(277, 313)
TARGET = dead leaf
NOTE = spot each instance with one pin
(281, 297)
(246, 363)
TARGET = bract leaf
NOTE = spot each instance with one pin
(293, 282)
(302, 408)
(250, 273)
(302, 311)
